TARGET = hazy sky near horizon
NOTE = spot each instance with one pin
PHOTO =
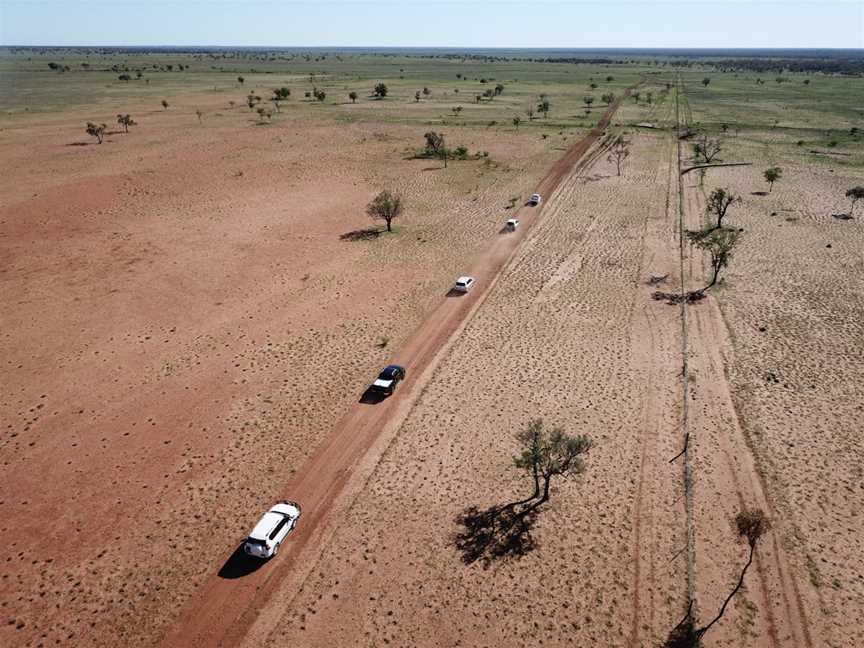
(431, 23)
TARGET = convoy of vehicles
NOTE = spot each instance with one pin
(272, 529)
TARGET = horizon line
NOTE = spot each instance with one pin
(603, 48)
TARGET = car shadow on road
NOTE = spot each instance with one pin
(372, 397)
(239, 564)
(455, 293)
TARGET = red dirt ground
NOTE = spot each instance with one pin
(225, 608)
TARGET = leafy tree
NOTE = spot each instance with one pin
(706, 81)
(499, 89)
(855, 194)
(426, 91)
(707, 149)
(435, 145)
(719, 243)
(96, 130)
(588, 100)
(636, 96)
(649, 97)
(456, 110)
(516, 121)
(417, 97)
(543, 107)
(380, 90)
(164, 105)
(240, 80)
(608, 98)
(281, 94)
(619, 152)
(719, 202)
(772, 175)
(609, 79)
(126, 121)
(549, 454)
(320, 95)
(352, 96)
(593, 86)
(386, 206)
(124, 77)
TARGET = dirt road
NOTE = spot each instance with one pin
(229, 602)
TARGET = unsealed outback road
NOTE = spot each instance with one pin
(224, 609)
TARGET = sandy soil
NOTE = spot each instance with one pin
(790, 340)
(187, 337)
(187, 326)
(532, 349)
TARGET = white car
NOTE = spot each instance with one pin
(535, 199)
(272, 529)
(512, 224)
(464, 284)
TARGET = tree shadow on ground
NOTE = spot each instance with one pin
(367, 234)
(758, 193)
(496, 533)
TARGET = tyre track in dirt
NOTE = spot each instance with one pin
(656, 339)
(727, 475)
(226, 608)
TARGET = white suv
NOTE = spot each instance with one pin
(464, 284)
(272, 529)
(535, 199)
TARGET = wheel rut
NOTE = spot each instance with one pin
(727, 476)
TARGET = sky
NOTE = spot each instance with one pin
(436, 23)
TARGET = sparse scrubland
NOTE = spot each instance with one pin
(198, 295)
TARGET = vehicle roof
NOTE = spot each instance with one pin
(265, 525)
(513, 220)
(273, 517)
(389, 370)
(464, 279)
(536, 194)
